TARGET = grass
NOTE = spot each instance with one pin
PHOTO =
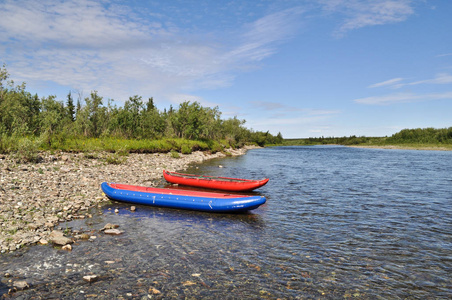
(28, 148)
(123, 146)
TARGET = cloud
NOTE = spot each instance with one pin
(441, 78)
(261, 36)
(445, 54)
(359, 13)
(96, 45)
(403, 98)
(389, 82)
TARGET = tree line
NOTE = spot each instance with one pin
(427, 136)
(423, 136)
(24, 114)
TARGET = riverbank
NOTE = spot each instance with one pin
(405, 147)
(35, 198)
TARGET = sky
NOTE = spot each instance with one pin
(304, 68)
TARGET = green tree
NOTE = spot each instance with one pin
(70, 107)
(153, 122)
(52, 115)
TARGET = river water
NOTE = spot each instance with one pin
(339, 223)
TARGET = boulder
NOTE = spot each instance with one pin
(61, 240)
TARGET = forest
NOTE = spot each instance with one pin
(36, 123)
(432, 137)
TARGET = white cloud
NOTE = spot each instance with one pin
(403, 98)
(441, 78)
(362, 13)
(94, 45)
(389, 82)
(261, 35)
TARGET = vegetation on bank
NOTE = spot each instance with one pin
(29, 124)
(407, 138)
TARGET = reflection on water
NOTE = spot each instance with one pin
(338, 223)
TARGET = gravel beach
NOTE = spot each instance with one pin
(36, 197)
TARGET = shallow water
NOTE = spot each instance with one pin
(338, 223)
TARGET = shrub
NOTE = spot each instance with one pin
(27, 150)
(115, 159)
(186, 149)
(174, 154)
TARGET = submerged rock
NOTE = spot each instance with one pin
(21, 285)
(113, 231)
(109, 226)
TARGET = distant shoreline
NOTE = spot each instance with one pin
(403, 147)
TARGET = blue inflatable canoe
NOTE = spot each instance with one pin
(183, 199)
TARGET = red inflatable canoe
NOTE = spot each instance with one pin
(213, 182)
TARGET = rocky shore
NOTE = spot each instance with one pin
(36, 197)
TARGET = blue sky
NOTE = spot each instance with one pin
(303, 68)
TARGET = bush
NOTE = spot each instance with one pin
(115, 159)
(185, 149)
(27, 150)
(174, 154)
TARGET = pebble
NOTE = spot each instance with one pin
(21, 285)
(67, 247)
(36, 197)
(90, 278)
(110, 226)
(113, 231)
(154, 291)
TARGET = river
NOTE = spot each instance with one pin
(339, 222)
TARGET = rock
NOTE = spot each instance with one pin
(116, 210)
(133, 208)
(154, 291)
(32, 226)
(21, 285)
(90, 278)
(56, 233)
(67, 247)
(83, 236)
(61, 240)
(43, 242)
(113, 231)
(110, 226)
